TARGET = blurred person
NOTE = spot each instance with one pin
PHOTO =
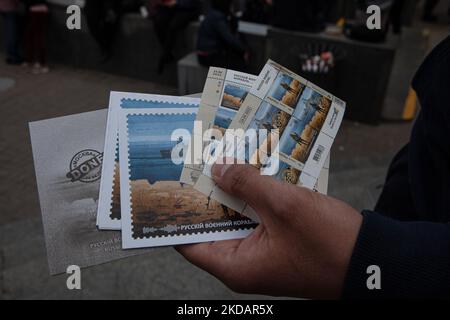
(428, 11)
(218, 42)
(396, 15)
(36, 16)
(299, 15)
(103, 19)
(310, 245)
(170, 18)
(428, 15)
(9, 14)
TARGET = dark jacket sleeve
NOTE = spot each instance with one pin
(414, 258)
(414, 255)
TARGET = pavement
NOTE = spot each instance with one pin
(359, 161)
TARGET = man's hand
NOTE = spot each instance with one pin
(302, 247)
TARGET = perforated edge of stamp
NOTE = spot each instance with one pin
(104, 221)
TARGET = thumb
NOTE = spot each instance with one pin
(246, 183)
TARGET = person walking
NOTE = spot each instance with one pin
(10, 16)
(218, 43)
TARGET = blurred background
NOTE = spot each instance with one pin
(165, 47)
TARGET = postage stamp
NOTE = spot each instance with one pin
(224, 92)
(109, 209)
(305, 119)
(157, 209)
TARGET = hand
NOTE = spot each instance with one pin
(302, 247)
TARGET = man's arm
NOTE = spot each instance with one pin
(414, 259)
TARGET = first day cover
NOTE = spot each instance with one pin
(158, 210)
(68, 155)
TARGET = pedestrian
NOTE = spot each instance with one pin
(219, 44)
(10, 16)
(103, 19)
(37, 13)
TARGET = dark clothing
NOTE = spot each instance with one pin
(429, 7)
(170, 21)
(413, 251)
(216, 36)
(218, 44)
(257, 11)
(299, 15)
(431, 149)
(189, 4)
(396, 15)
(103, 18)
(132, 6)
(396, 201)
(35, 49)
(11, 30)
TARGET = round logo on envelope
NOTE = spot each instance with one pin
(86, 166)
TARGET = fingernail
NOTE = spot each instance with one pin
(218, 170)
